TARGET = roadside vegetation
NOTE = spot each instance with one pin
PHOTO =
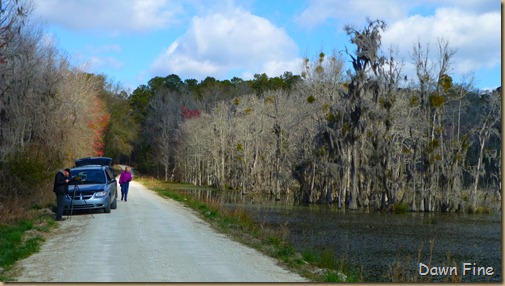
(401, 272)
(24, 238)
(271, 240)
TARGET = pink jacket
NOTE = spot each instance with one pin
(125, 177)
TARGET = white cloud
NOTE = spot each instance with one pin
(115, 17)
(276, 68)
(97, 63)
(357, 11)
(352, 12)
(234, 40)
(476, 37)
(472, 27)
(98, 58)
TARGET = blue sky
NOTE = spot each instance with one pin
(131, 41)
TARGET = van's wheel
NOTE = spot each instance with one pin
(107, 208)
(114, 204)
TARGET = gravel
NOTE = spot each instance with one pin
(147, 239)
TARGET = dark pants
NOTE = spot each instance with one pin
(60, 205)
(124, 191)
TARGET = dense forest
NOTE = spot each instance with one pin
(364, 137)
(359, 136)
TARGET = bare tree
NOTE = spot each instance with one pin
(487, 128)
(365, 138)
(164, 121)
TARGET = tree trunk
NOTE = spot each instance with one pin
(329, 198)
(312, 181)
(222, 163)
(244, 168)
(277, 130)
(347, 178)
(477, 174)
(354, 175)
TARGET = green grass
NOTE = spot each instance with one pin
(483, 210)
(20, 240)
(333, 269)
(400, 208)
(271, 240)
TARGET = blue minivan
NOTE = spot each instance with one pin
(93, 185)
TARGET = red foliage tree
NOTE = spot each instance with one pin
(98, 123)
(190, 113)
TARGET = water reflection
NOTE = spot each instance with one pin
(375, 241)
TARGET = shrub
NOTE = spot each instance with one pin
(483, 210)
(25, 170)
(400, 208)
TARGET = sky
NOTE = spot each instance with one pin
(132, 41)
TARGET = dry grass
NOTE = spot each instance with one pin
(401, 270)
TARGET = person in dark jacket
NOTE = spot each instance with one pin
(60, 189)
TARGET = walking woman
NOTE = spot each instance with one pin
(124, 182)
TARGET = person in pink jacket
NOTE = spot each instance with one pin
(124, 182)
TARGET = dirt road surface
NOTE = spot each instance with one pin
(147, 239)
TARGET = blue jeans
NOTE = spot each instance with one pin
(124, 191)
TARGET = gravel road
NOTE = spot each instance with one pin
(147, 239)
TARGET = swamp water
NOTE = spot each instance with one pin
(373, 243)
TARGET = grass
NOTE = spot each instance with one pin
(271, 240)
(400, 208)
(401, 272)
(21, 239)
(332, 268)
(483, 210)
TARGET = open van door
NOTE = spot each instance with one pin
(103, 161)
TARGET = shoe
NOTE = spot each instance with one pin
(60, 219)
